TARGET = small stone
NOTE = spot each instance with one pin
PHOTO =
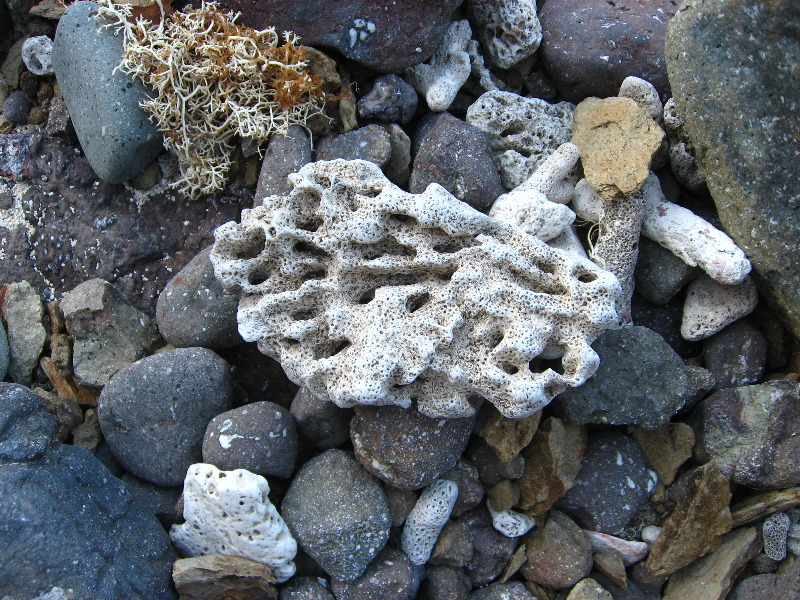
(4, 356)
(87, 434)
(559, 554)
(590, 47)
(490, 467)
(107, 332)
(57, 117)
(260, 437)
(114, 131)
(338, 513)
(400, 503)
(454, 545)
(491, 550)
(713, 576)
(405, 448)
(773, 586)
(369, 143)
(630, 551)
(666, 448)
(503, 495)
(697, 523)
(588, 589)
(447, 583)
(665, 320)
(305, 588)
(154, 412)
(64, 410)
(612, 485)
(609, 563)
(659, 273)
(750, 432)
(737, 355)
(321, 422)
(162, 501)
(285, 154)
(16, 107)
(457, 156)
(399, 166)
(223, 577)
(640, 381)
(502, 591)
(617, 139)
(552, 463)
(711, 306)
(507, 437)
(26, 425)
(391, 100)
(22, 312)
(37, 115)
(389, 577)
(470, 490)
(194, 310)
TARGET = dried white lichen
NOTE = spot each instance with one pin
(214, 80)
(370, 295)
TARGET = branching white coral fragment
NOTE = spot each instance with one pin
(214, 80)
(510, 523)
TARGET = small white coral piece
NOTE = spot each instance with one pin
(644, 94)
(532, 212)
(710, 306)
(630, 550)
(448, 70)
(228, 512)
(510, 523)
(522, 132)
(691, 238)
(775, 533)
(425, 521)
(550, 177)
(509, 29)
(685, 166)
(370, 295)
(36, 54)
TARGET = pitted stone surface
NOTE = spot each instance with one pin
(370, 295)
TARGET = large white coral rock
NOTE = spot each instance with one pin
(509, 29)
(228, 512)
(367, 294)
(522, 132)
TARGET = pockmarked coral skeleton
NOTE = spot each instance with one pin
(368, 294)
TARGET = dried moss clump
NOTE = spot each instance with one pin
(214, 80)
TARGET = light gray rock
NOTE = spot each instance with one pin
(3, 352)
(22, 313)
(285, 154)
(114, 132)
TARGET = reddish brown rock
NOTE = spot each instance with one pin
(388, 37)
(559, 554)
(223, 577)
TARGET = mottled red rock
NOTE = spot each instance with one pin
(559, 554)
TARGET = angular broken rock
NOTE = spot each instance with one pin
(507, 437)
(696, 525)
(107, 332)
(559, 554)
(370, 295)
(666, 448)
(223, 577)
(22, 313)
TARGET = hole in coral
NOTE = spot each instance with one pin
(329, 349)
(339, 346)
(303, 315)
(253, 247)
(367, 296)
(453, 245)
(310, 225)
(414, 303)
(258, 276)
(318, 274)
(587, 277)
(387, 247)
(513, 130)
(402, 218)
(509, 368)
(291, 342)
(543, 267)
(221, 475)
(446, 275)
(310, 249)
(494, 338)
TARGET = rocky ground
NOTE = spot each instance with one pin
(671, 473)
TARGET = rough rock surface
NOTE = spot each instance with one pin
(193, 309)
(612, 485)
(397, 292)
(559, 553)
(260, 437)
(61, 508)
(641, 381)
(285, 154)
(590, 46)
(367, 32)
(659, 273)
(321, 422)
(389, 577)
(729, 62)
(509, 30)
(750, 432)
(154, 412)
(365, 143)
(491, 550)
(223, 577)
(338, 514)
(737, 355)
(4, 354)
(391, 100)
(405, 448)
(456, 155)
(22, 313)
(115, 133)
(107, 332)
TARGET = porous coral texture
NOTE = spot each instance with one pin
(370, 295)
(425, 521)
(228, 512)
(214, 80)
(509, 29)
(522, 132)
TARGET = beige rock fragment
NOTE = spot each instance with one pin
(22, 312)
(713, 576)
(630, 551)
(758, 507)
(617, 140)
(588, 589)
(711, 306)
(609, 563)
(696, 525)
(504, 494)
(666, 448)
(552, 462)
(507, 437)
(644, 94)
(223, 577)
